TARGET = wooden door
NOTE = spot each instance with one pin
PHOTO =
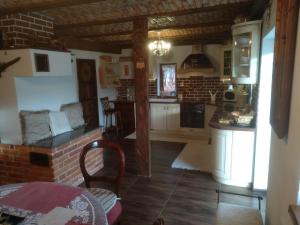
(86, 73)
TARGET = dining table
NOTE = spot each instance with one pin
(37, 202)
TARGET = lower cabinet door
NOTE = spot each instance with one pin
(173, 117)
(221, 143)
(158, 116)
(242, 156)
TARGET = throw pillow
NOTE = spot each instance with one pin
(59, 123)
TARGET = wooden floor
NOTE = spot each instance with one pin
(180, 197)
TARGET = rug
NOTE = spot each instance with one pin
(196, 155)
(228, 214)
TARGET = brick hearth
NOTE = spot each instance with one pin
(15, 165)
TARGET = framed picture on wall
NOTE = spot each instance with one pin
(126, 65)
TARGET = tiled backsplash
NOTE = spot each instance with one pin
(192, 89)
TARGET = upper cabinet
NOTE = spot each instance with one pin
(226, 62)
(38, 62)
(245, 52)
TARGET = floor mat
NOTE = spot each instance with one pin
(228, 214)
(196, 155)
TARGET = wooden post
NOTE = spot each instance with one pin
(140, 58)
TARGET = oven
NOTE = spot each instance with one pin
(192, 115)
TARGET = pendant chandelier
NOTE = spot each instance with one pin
(159, 47)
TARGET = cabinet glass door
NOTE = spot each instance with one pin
(242, 55)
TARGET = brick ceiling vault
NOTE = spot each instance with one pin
(111, 21)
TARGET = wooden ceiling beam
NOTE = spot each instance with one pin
(196, 25)
(214, 37)
(230, 7)
(80, 44)
(97, 35)
(175, 42)
(34, 7)
(172, 27)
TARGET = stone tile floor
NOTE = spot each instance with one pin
(179, 196)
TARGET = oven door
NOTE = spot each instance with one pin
(192, 115)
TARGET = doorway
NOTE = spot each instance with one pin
(263, 131)
(87, 85)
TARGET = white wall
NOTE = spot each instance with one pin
(284, 173)
(263, 127)
(10, 129)
(30, 93)
(37, 93)
(102, 92)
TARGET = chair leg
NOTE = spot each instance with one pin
(105, 121)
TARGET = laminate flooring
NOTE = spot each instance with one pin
(179, 196)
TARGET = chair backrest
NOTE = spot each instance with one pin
(105, 103)
(159, 221)
(106, 145)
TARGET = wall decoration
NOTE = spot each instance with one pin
(109, 72)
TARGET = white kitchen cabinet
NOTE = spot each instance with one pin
(173, 116)
(58, 63)
(165, 116)
(233, 153)
(242, 156)
(221, 145)
(158, 116)
(245, 52)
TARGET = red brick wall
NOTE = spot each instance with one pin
(24, 30)
(197, 88)
(64, 167)
(125, 83)
(192, 89)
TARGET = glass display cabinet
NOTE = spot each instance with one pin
(245, 52)
(226, 64)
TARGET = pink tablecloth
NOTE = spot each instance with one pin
(34, 200)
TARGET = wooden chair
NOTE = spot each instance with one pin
(159, 221)
(111, 112)
(115, 211)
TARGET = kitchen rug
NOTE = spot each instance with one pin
(196, 155)
(228, 214)
(174, 137)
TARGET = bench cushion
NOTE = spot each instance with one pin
(35, 126)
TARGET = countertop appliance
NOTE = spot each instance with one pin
(230, 95)
(192, 114)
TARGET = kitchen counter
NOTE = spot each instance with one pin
(214, 123)
(65, 138)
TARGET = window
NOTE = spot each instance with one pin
(168, 80)
(41, 62)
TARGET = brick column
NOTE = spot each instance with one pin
(140, 58)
